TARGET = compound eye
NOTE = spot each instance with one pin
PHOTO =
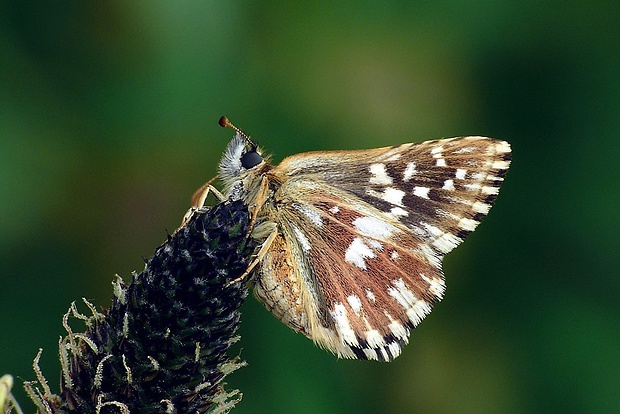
(251, 159)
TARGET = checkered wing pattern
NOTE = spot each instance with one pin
(356, 262)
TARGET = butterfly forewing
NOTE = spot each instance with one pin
(439, 189)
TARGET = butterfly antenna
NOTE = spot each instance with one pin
(225, 123)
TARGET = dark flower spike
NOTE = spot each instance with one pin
(163, 344)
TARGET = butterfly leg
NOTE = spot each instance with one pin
(258, 199)
(268, 229)
(199, 198)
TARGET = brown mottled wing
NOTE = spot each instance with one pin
(367, 231)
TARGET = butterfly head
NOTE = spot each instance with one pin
(241, 164)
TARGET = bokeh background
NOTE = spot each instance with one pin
(108, 123)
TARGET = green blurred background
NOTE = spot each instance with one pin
(108, 123)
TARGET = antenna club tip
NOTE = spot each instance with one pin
(225, 123)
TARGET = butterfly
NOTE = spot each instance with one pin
(352, 242)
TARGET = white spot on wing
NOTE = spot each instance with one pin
(343, 327)
(432, 230)
(446, 242)
(490, 190)
(394, 196)
(421, 192)
(373, 227)
(460, 173)
(371, 354)
(334, 209)
(435, 286)
(480, 207)
(430, 255)
(379, 174)
(409, 171)
(441, 162)
(402, 294)
(374, 244)
(374, 339)
(467, 224)
(357, 252)
(370, 295)
(355, 302)
(472, 186)
(390, 194)
(397, 212)
(500, 165)
(418, 311)
(395, 349)
(398, 330)
(416, 308)
(448, 185)
(502, 147)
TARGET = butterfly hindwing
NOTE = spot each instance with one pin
(368, 278)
